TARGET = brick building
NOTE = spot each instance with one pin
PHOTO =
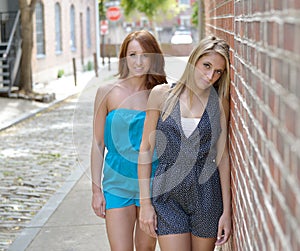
(264, 121)
(63, 30)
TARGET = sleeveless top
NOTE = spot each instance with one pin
(122, 137)
(188, 161)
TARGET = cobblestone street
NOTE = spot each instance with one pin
(36, 157)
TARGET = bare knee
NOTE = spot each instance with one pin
(145, 245)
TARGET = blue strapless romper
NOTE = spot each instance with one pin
(122, 138)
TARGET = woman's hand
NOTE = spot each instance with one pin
(224, 229)
(148, 220)
(98, 204)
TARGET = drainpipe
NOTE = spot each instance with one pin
(201, 24)
(97, 31)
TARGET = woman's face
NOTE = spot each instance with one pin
(138, 61)
(209, 69)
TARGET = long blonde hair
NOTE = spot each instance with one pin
(205, 46)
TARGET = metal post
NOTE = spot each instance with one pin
(102, 49)
(201, 19)
(74, 71)
(95, 64)
(97, 30)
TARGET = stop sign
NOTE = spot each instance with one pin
(103, 27)
(113, 13)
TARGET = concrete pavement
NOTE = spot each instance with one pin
(66, 221)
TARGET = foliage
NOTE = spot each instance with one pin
(149, 7)
(89, 66)
(102, 15)
(195, 13)
(60, 73)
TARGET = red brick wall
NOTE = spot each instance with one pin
(265, 119)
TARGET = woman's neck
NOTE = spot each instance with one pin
(135, 83)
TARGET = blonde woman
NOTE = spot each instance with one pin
(189, 205)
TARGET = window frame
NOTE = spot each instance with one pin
(72, 28)
(40, 30)
(58, 30)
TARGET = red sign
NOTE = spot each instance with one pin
(103, 27)
(113, 13)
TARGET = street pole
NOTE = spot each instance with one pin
(201, 19)
(97, 30)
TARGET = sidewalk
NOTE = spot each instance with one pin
(15, 110)
(66, 221)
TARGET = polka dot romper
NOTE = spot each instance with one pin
(186, 188)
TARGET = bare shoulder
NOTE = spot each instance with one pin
(161, 88)
(158, 95)
(160, 91)
(103, 92)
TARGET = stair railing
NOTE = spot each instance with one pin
(13, 52)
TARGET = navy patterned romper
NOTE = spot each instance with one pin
(186, 191)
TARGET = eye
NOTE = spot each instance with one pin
(219, 72)
(132, 54)
(206, 65)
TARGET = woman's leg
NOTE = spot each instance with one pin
(175, 242)
(143, 242)
(203, 244)
(120, 224)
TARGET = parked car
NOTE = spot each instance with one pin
(182, 37)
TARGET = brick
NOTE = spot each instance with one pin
(291, 120)
(291, 198)
(277, 4)
(289, 35)
(273, 34)
(276, 69)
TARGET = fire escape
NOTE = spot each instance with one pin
(10, 52)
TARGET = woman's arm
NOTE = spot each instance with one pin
(97, 151)
(147, 216)
(224, 170)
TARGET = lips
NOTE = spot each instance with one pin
(139, 69)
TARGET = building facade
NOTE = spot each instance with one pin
(264, 119)
(63, 30)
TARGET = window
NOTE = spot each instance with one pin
(184, 2)
(72, 28)
(144, 22)
(40, 32)
(58, 47)
(185, 21)
(88, 28)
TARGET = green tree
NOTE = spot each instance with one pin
(198, 17)
(151, 8)
(102, 15)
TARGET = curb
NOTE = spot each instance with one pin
(34, 112)
(27, 235)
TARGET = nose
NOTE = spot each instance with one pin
(210, 74)
(139, 59)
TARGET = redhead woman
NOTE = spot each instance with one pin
(119, 114)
